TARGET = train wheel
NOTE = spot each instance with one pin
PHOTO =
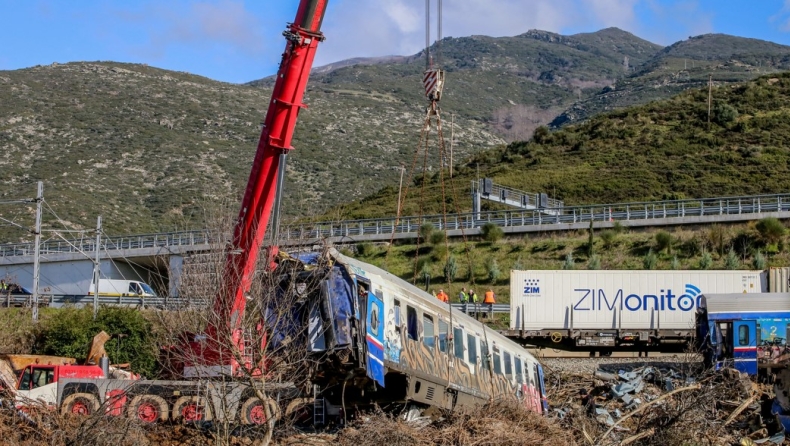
(189, 409)
(148, 409)
(80, 404)
(253, 411)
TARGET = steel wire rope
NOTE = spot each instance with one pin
(443, 157)
(421, 201)
(402, 199)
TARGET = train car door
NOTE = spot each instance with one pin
(374, 335)
(744, 345)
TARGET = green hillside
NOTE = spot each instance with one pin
(663, 150)
(683, 65)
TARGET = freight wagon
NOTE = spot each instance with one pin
(605, 311)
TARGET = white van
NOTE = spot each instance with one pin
(131, 288)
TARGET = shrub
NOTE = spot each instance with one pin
(731, 261)
(425, 231)
(364, 249)
(450, 268)
(594, 262)
(675, 264)
(759, 261)
(650, 260)
(724, 113)
(425, 274)
(568, 264)
(706, 261)
(718, 238)
(70, 331)
(618, 228)
(608, 237)
(663, 241)
(518, 266)
(437, 237)
(771, 230)
(491, 232)
(493, 270)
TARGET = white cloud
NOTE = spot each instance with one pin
(783, 17)
(224, 22)
(367, 28)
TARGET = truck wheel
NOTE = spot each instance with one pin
(253, 411)
(80, 404)
(148, 409)
(188, 409)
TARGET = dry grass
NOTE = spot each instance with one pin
(500, 423)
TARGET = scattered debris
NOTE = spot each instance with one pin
(661, 403)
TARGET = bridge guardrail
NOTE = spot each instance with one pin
(383, 227)
(57, 301)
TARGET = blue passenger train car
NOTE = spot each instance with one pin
(378, 340)
(748, 332)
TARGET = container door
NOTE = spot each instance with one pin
(745, 346)
(375, 338)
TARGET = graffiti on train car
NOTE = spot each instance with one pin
(408, 350)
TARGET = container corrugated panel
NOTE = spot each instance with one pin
(544, 300)
(738, 303)
(778, 280)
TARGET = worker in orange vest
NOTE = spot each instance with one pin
(490, 300)
(442, 296)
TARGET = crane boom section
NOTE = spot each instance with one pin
(303, 37)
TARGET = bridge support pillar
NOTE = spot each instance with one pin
(176, 266)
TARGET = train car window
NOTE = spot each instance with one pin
(471, 347)
(508, 365)
(411, 323)
(443, 330)
(484, 356)
(497, 363)
(519, 373)
(373, 318)
(497, 360)
(743, 335)
(397, 314)
(458, 342)
(427, 331)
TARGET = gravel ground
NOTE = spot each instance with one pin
(588, 366)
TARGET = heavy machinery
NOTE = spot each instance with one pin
(204, 388)
(365, 336)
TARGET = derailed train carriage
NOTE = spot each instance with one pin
(376, 339)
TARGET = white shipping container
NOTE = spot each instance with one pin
(547, 300)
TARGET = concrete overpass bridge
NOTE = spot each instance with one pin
(161, 259)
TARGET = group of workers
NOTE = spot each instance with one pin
(470, 298)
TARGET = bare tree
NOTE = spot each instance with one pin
(270, 386)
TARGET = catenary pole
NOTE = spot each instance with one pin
(37, 248)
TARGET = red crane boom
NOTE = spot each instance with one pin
(264, 187)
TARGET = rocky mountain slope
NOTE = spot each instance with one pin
(151, 149)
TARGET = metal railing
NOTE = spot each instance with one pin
(515, 197)
(683, 211)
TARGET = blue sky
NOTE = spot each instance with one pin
(238, 41)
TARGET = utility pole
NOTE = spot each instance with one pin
(400, 187)
(37, 248)
(710, 96)
(452, 138)
(96, 269)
